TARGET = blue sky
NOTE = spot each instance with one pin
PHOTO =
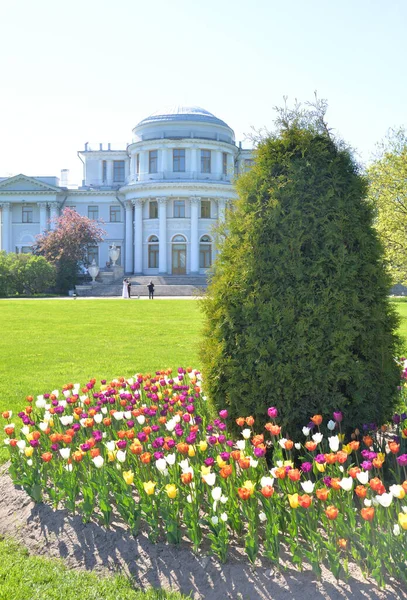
(86, 70)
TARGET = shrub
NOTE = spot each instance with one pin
(25, 274)
(297, 313)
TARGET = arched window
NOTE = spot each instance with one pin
(177, 239)
(205, 252)
(153, 252)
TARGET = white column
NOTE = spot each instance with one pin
(126, 169)
(109, 171)
(138, 236)
(194, 162)
(162, 216)
(6, 226)
(194, 202)
(143, 165)
(217, 163)
(54, 213)
(129, 238)
(221, 209)
(132, 168)
(100, 182)
(164, 161)
(43, 216)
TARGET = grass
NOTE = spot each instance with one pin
(24, 577)
(46, 343)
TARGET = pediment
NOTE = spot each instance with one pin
(23, 183)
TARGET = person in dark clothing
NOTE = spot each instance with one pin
(151, 290)
(129, 287)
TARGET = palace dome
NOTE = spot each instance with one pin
(182, 114)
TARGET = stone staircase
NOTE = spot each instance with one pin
(164, 285)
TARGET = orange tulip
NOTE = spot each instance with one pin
(273, 429)
(288, 444)
(305, 500)
(235, 454)
(77, 456)
(360, 491)
(145, 458)
(368, 440)
(310, 445)
(258, 440)
(267, 491)
(353, 471)
(226, 471)
(376, 484)
(317, 419)
(294, 474)
(377, 463)
(182, 448)
(342, 457)
(47, 456)
(94, 452)
(280, 473)
(36, 435)
(331, 458)
(244, 463)
(342, 543)
(335, 483)
(394, 447)
(240, 421)
(322, 494)
(244, 493)
(367, 513)
(331, 512)
(136, 447)
(186, 478)
(249, 421)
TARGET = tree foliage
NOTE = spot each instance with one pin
(296, 313)
(25, 274)
(388, 193)
(67, 245)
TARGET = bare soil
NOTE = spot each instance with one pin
(58, 534)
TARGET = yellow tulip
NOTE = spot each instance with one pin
(346, 448)
(111, 456)
(128, 477)
(51, 422)
(203, 445)
(149, 487)
(205, 470)
(28, 451)
(403, 520)
(171, 490)
(29, 437)
(321, 468)
(103, 388)
(293, 500)
(249, 485)
(191, 451)
(341, 436)
(159, 396)
(220, 461)
(288, 463)
(381, 456)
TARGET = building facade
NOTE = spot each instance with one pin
(159, 198)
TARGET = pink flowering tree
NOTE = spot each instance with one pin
(66, 246)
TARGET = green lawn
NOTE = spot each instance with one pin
(46, 343)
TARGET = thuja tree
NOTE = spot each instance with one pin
(66, 246)
(297, 313)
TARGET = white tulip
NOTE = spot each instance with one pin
(404, 509)
(43, 426)
(111, 445)
(7, 442)
(262, 517)
(346, 484)
(317, 437)
(189, 498)
(65, 452)
(66, 393)
(83, 398)
(184, 464)
(385, 500)
(397, 491)
(63, 403)
(307, 486)
(253, 462)
(216, 493)
(98, 460)
(68, 468)
(170, 425)
(21, 444)
(223, 499)
(215, 520)
(282, 442)
(161, 464)
(297, 446)
(55, 392)
(331, 425)
(210, 478)
(25, 430)
(66, 419)
(363, 477)
(396, 529)
(170, 459)
(241, 444)
(246, 433)
(121, 456)
(374, 501)
(127, 414)
(30, 462)
(40, 402)
(266, 481)
(224, 517)
(306, 431)
(176, 418)
(76, 387)
(47, 416)
(333, 442)
(98, 418)
(141, 419)
(118, 416)
(367, 502)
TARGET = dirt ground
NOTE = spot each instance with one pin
(51, 533)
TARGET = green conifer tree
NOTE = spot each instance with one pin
(297, 312)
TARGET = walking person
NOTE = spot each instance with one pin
(125, 291)
(151, 291)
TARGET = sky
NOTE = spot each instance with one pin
(76, 71)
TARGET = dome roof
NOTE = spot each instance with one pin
(183, 113)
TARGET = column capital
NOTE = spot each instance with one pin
(162, 199)
(5, 204)
(128, 205)
(138, 202)
(42, 204)
(194, 199)
(222, 200)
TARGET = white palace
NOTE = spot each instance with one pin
(158, 198)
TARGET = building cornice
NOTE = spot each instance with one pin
(178, 185)
(184, 142)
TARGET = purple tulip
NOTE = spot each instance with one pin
(338, 416)
(209, 461)
(259, 452)
(306, 467)
(272, 412)
(402, 460)
(320, 459)
(223, 414)
(366, 465)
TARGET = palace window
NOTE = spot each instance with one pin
(153, 209)
(152, 161)
(205, 161)
(118, 171)
(248, 163)
(178, 160)
(153, 252)
(138, 164)
(224, 163)
(27, 214)
(205, 209)
(93, 254)
(93, 212)
(115, 214)
(104, 171)
(179, 208)
(205, 252)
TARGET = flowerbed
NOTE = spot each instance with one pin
(146, 447)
